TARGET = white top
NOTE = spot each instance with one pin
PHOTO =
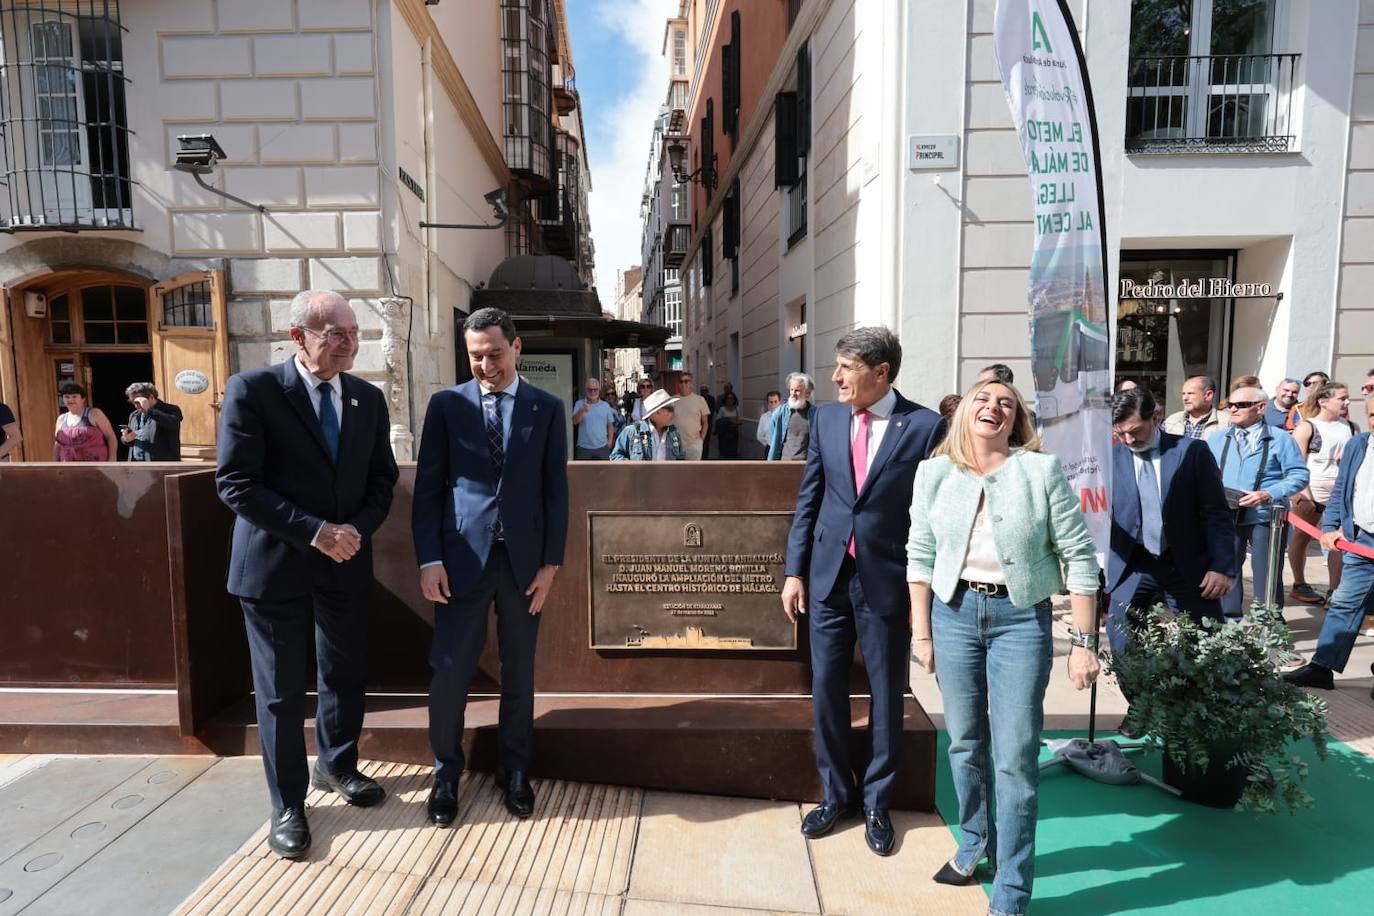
(312, 385)
(980, 562)
(765, 427)
(880, 414)
(1322, 463)
(660, 443)
(1362, 501)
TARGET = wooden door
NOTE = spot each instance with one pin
(190, 332)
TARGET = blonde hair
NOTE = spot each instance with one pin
(956, 442)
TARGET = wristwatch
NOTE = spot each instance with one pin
(1086, 640)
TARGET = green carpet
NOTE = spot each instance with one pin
(1135, 849)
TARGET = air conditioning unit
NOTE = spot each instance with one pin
(35, 304)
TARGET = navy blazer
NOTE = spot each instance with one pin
(1198, 532)
(1340, 507)
(275, 472)
(879, 518)
(458, 499)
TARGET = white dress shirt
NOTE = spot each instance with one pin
(1362, 498)
(765, 427)
(312, 385)
(335, 389)
(880, 413)
(660, 443)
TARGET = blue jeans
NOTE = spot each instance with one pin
(1256, 538)
(992, 661)
(1346, 609)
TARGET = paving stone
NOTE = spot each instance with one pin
(155, 865)
(855, 882)
(49, 859)
(45, 797)
(636, 907)
(722, 851)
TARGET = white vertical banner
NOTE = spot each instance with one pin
(1045, 77)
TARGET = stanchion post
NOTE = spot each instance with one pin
(1278, 520)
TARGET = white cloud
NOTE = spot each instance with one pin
(619, 149)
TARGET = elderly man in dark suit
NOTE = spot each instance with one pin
(490, 520)
(305, 464)
(847, 549)
(1172, 535)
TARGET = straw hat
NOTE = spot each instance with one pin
(657, 400)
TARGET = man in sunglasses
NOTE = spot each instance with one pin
(1367, 389)
(643, 389)
(1260, 467)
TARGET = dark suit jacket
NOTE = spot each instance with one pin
(1198, 533)
(166, 444)
(276, 474)
(828, 511)
(458, 499)
(1339, 514)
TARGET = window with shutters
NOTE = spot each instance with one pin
(791, 145)
(707, 254)
(708, 149)
(730, 79)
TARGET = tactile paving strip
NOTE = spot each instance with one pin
(572, 857)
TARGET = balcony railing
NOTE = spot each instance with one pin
(1224, 103)
(675, 239)
(64, 130)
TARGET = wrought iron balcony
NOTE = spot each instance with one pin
(565, 89)
(1224, 103)
(64, 130)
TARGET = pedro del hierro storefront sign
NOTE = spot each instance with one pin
(1201, 288)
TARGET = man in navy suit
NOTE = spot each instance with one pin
(305, 463)
(848, 549)
(1172, 536)
(490, 520)
(1350, 515)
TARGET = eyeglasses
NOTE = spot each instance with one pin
(1243, 405)
(646, 387)
(334, 336)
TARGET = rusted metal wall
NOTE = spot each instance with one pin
(85, 589)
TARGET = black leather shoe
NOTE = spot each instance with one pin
(443, 803)
(517, 792)
(822, 819)
(290, 834)
(1311, 675)
(356, 788)
(948, 874)
(878, 832)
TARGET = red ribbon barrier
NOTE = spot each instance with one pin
(1342, 544)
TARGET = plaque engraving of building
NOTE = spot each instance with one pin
(700, 581)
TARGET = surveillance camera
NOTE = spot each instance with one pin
(497, 199)
(198, 153)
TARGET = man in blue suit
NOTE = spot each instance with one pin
(847, 548)
(1350, 515)
(490, 520)
(1172, 537)
(305, 463)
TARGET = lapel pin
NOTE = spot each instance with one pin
(535, 408)
(353, 402)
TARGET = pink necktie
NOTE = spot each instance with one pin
(858, 453)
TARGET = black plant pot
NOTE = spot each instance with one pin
(1217, 786)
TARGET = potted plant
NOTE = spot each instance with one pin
(1213, 698)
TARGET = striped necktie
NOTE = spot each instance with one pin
(491, 407)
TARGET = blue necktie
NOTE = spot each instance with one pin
(491, 406)
(329, 419)
(1151, 512)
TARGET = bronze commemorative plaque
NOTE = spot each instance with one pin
(692, 581)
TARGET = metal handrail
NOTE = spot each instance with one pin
(1211, 103)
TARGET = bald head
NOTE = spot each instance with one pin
(325, 332)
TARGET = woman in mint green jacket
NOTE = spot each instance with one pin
(994, 527)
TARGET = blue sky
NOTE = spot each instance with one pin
(621, 78)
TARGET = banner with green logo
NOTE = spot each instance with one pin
(1045, 77)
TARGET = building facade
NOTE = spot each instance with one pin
(344, 124)
(1238, 148)
(626, 364)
